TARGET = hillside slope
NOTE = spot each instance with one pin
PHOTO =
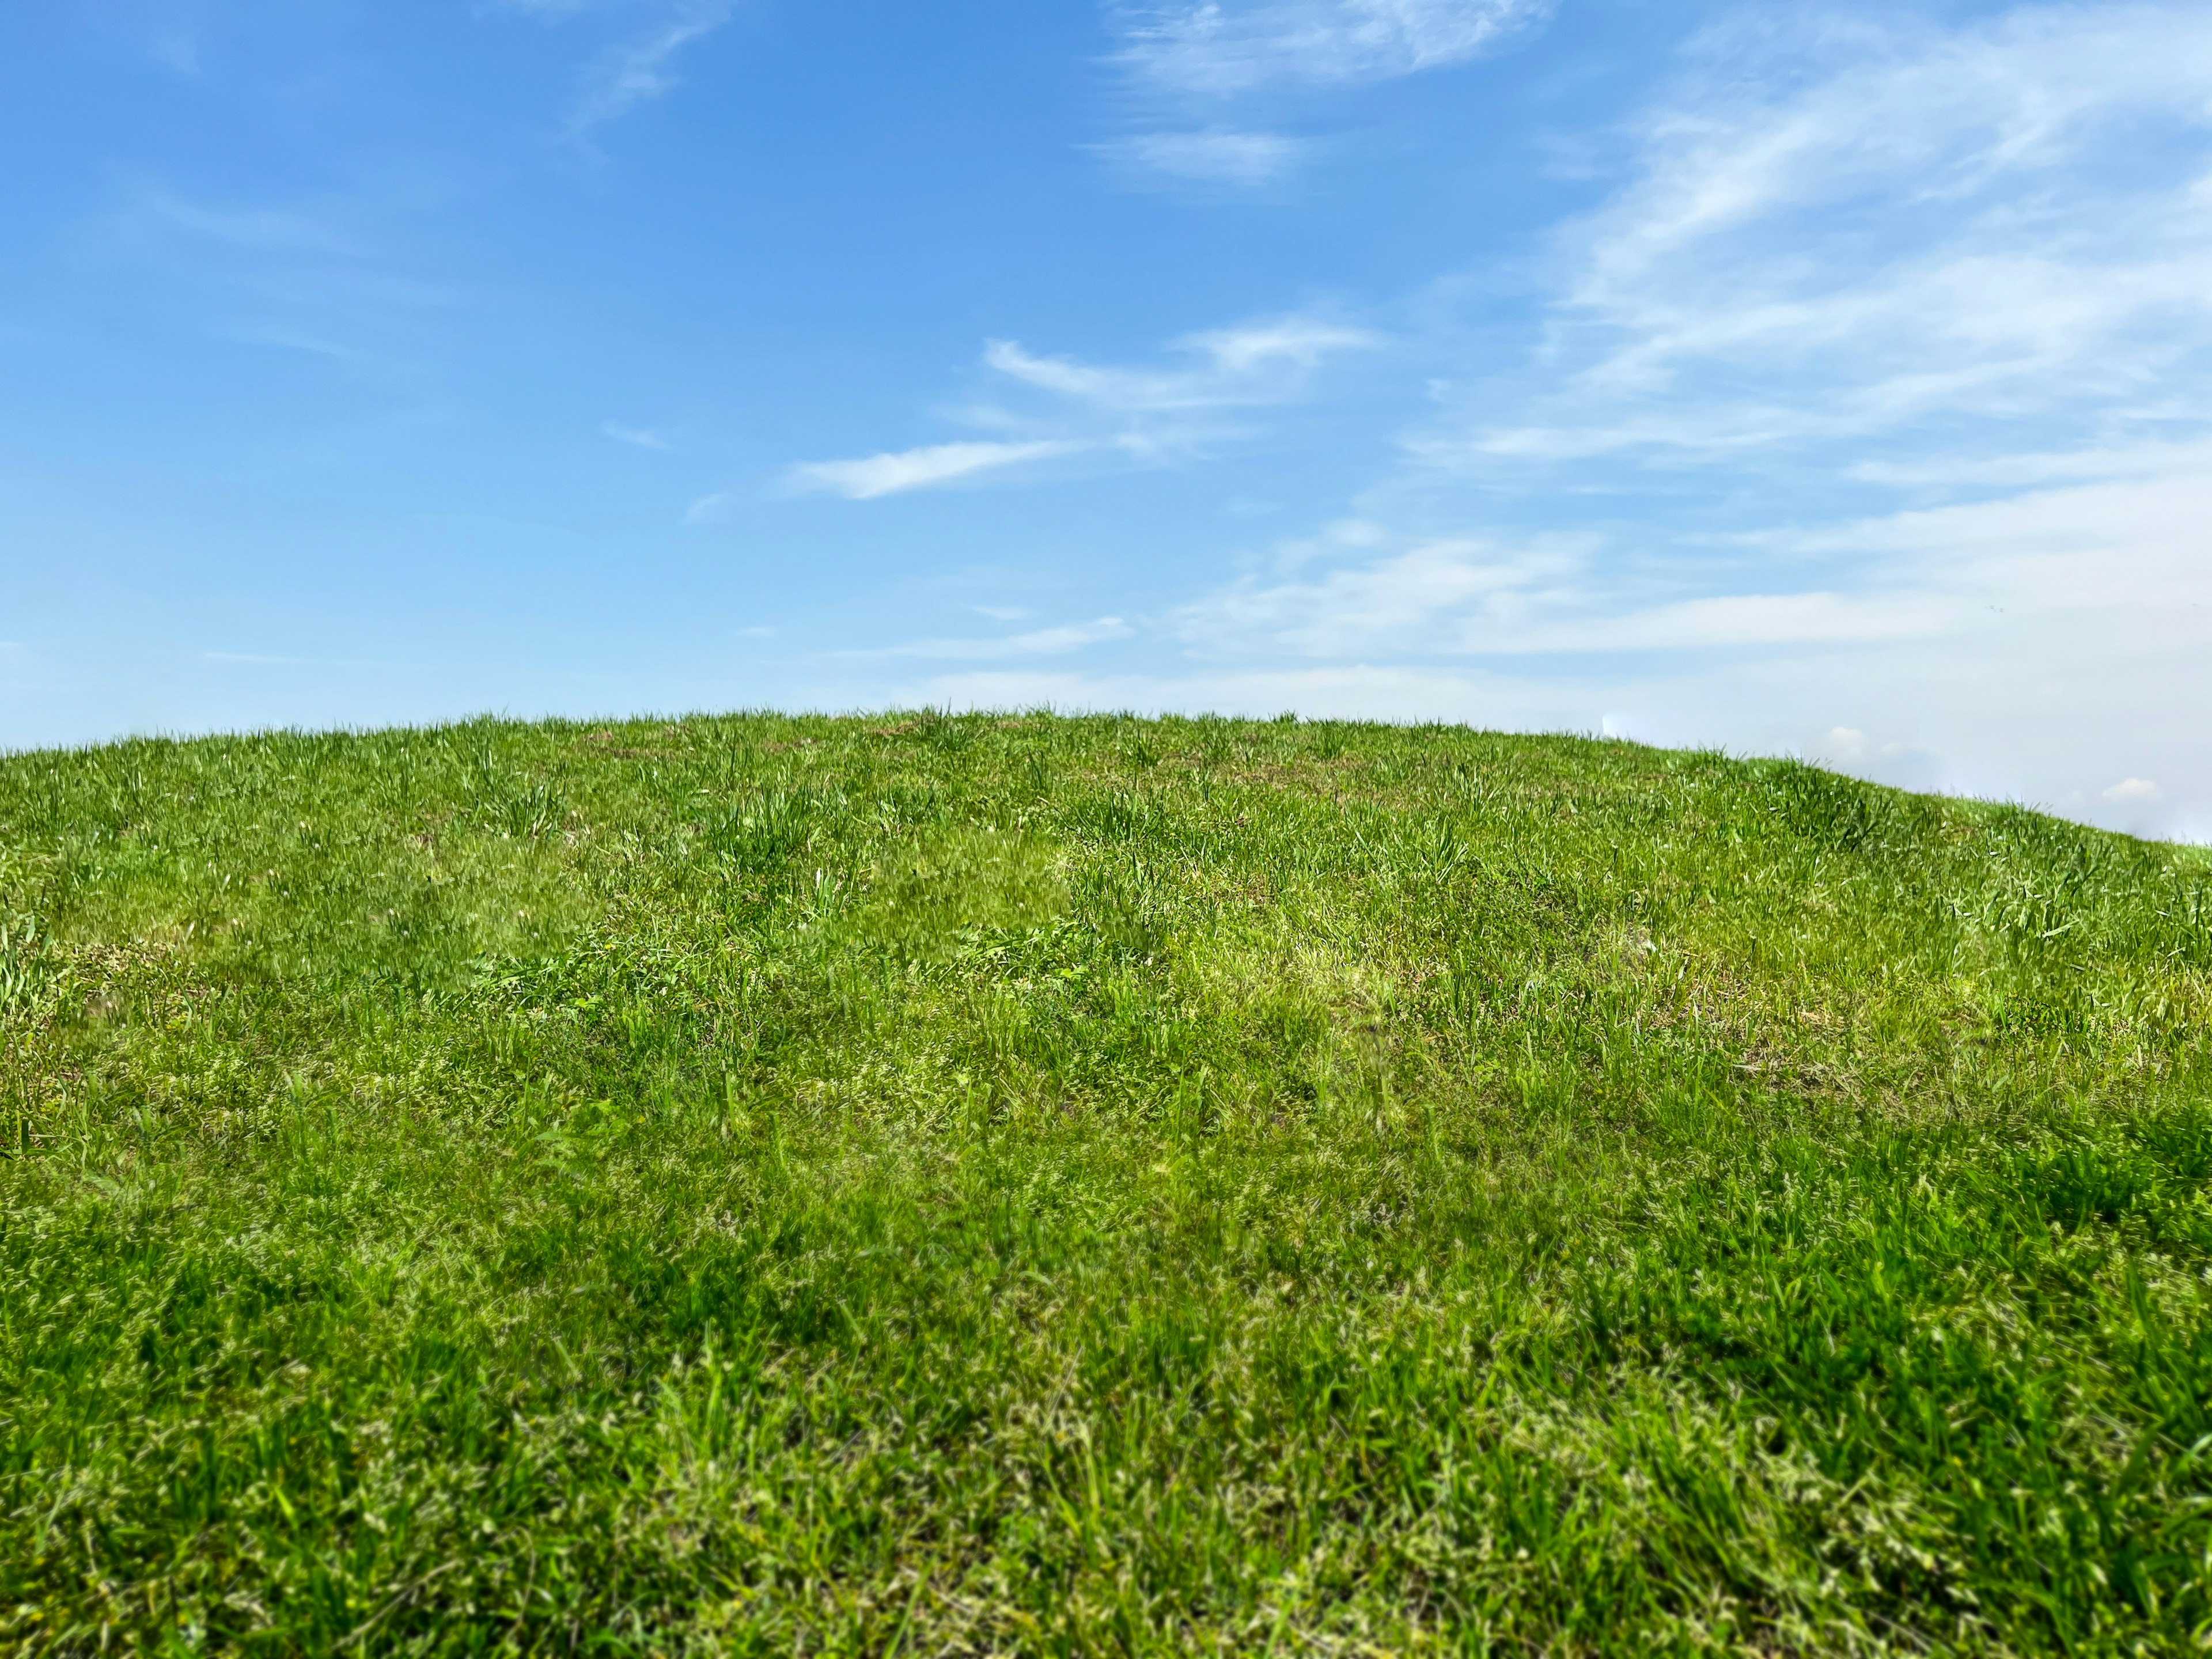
(1069, 1186)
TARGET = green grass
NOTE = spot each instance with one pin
(1057, 1186)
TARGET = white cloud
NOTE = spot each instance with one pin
(1845, 743)
(2135, 792)
(639, 437)
(640, 69)
(1436, 597)
(1095, 408)
(1210, 156)
(1042, 642)
(2133, 544)
(1474, 598)
(2032, 469)
(899, 470)
(1838, 232)
(1194, 62)
(1214, 49)
(1261, 362)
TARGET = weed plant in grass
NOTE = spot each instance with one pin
(1058, 1186)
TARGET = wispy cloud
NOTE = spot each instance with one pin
(1466, 598)
(1041, 642)
(1257, 363)
(1421, 601)
(894, 472)
(2112, 548)
(1210, 156)
(1839, 232)
(1217, 49)
(637, 437)
(1195, 65)
(1104, 408)
(640, 69)
(2135, 792)
(313, 276)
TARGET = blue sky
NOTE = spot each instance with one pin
(1780, 379)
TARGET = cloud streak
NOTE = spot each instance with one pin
(1256, 364)
(1476, 598)
(1197, 65)
(896, 472)
(640, 70)
(1210, 156)
(1040, 642)
(1095, 409)
(1218, 50)
(2004, 223)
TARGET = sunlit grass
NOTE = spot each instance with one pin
(933, 1185)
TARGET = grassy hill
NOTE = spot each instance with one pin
(930, 1185)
